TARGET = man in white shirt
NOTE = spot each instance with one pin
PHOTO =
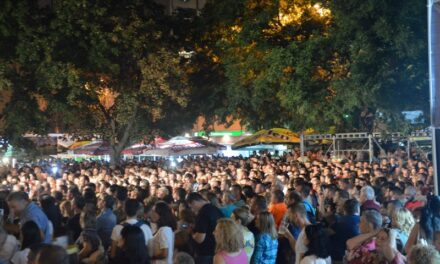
(131, 209)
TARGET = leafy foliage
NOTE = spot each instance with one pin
(318, 64)
(103, 67)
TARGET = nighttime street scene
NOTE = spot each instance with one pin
(219, 131)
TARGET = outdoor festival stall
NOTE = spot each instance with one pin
(271, 139)
(183, 146)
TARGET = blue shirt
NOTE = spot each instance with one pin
(265, 250)
(345, 228)
(228, 210)
(105, 222)
(34, 213)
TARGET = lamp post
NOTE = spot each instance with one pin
(434, 84)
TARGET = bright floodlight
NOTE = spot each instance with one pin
(173, 163)
(5, 160)
(54, 170)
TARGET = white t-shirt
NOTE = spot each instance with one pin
(21, 257)
(300, 247)
(164, 238)
(116, 233)
(8, 249)
(314, 260)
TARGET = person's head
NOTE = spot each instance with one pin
(107, 202)
(121, 193)
(277, 197)
(258, 204)
(52, 254)
(162, 215)
(297, 213)
(236, 190)
(305, 190)
(133, 244)
(317, 241)
(371, 221)
(393, 206)
(423, 254)
(66, 208)
(183, 258)
(131, 207)
(266, 224)
(241, 216)
(78, 204)
(228, 236)
(402, 219)
(351, 207)
(367, 193)
(17, 202)
(195, 201)
(228, 198)
(30, 234)
(410, 193)
(292, 197)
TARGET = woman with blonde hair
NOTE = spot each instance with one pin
(241, 216)
(266, 247)
(402, 221)
(229, 243)
(423, 254)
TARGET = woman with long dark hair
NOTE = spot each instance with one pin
(423, 232)
(318, 242)
(133, 247)
(163, 239)
(52, 212)
(29, 235)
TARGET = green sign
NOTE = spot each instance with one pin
(233, 133)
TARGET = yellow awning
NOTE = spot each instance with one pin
(274, 136)
(79, 144)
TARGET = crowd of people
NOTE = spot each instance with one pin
(260, 209)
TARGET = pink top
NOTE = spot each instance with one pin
(239, 259)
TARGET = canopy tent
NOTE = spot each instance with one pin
(95, 148)
(182, 146)
(79, 144)
(136, 149)
(274, 136)
(140, 147)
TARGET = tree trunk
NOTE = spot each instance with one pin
(115, 156)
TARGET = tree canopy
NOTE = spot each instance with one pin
(318, 64)
(112, 67)
(102, 67)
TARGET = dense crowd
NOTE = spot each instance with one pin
(261, 209)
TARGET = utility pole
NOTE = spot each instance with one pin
(434, 84)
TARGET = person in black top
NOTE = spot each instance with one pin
(202, 232)
(258, 205)
(53, 212)
(133, 249)
(73, 225)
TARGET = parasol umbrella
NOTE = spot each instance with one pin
(274, 136)
(182, 146)
(79, 144)
(136, 149)
(95, 148)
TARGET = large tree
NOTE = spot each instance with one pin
(317, 64)
(102, 67)
(385, 46)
